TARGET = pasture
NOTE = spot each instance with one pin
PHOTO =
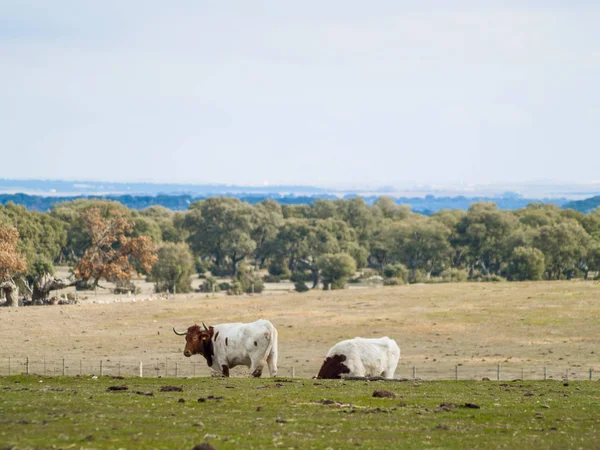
(438, 327)
(81, 412)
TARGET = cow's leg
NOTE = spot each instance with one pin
(272, 363)
(225, 370)
(391, 369)
(257, 367)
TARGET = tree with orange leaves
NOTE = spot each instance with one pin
(11, 264)
(113, 254)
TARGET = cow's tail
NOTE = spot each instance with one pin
(272, 350)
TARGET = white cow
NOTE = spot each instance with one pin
(361, 357)
(234, 344)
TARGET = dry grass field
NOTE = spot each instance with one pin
(438, 326)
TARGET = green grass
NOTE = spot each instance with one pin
(79, 412)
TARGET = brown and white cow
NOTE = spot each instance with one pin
(361, 357)
(228, 345)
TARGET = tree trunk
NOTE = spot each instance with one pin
(315, 274)
(43, 287)
(11, 292)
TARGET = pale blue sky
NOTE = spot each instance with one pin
(310, 92)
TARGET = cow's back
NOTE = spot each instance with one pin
(367, 356)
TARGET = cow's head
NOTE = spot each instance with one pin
(198, 341)
(333, 367)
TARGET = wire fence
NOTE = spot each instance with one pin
(164, 367)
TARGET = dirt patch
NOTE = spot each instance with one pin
(384, 394)
(171, 389)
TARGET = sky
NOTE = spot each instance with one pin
(385, 92)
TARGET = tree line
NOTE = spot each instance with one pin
(323, 244)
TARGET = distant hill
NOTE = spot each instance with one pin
(424, 205)
(585, 206)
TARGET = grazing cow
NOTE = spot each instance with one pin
(228, 345)
(361, 357)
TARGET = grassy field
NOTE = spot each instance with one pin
(438, 326)
(80, 412)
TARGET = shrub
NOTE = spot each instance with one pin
(336, 269)
(279, 268)
(271, 278)
(224, 286)
(301, 286)
(301, 276)
(417, 276)
(454, 275)
(210, 285)
(201, 266)
(235, 289)
(220, 271)
(396, 270)
(393, 281)
(246, 281)
(126, 287)
(253, 284)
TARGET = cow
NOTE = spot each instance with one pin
(361, 357)
(228, 345)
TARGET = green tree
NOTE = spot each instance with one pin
(221, 228)
(173, 270)
(267, 222)
(564, 245)
(420, 244)
(526, 263)
(483, 232)
(336, 269)
(302, 241)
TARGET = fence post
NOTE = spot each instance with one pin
(456, 372)
(176, 370)
(591, 371)
(414, 372)
(193, 369)
(63, 371)
(27, 366)
(8, 366)
(498, 371)
(44, 366)
(545, 373)
(141, 373)
(101, 369)
(293, 371)
(522, 375)
(80, 367)
(119, 368)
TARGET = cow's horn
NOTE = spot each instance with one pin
(179, 333)
(205, 327)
